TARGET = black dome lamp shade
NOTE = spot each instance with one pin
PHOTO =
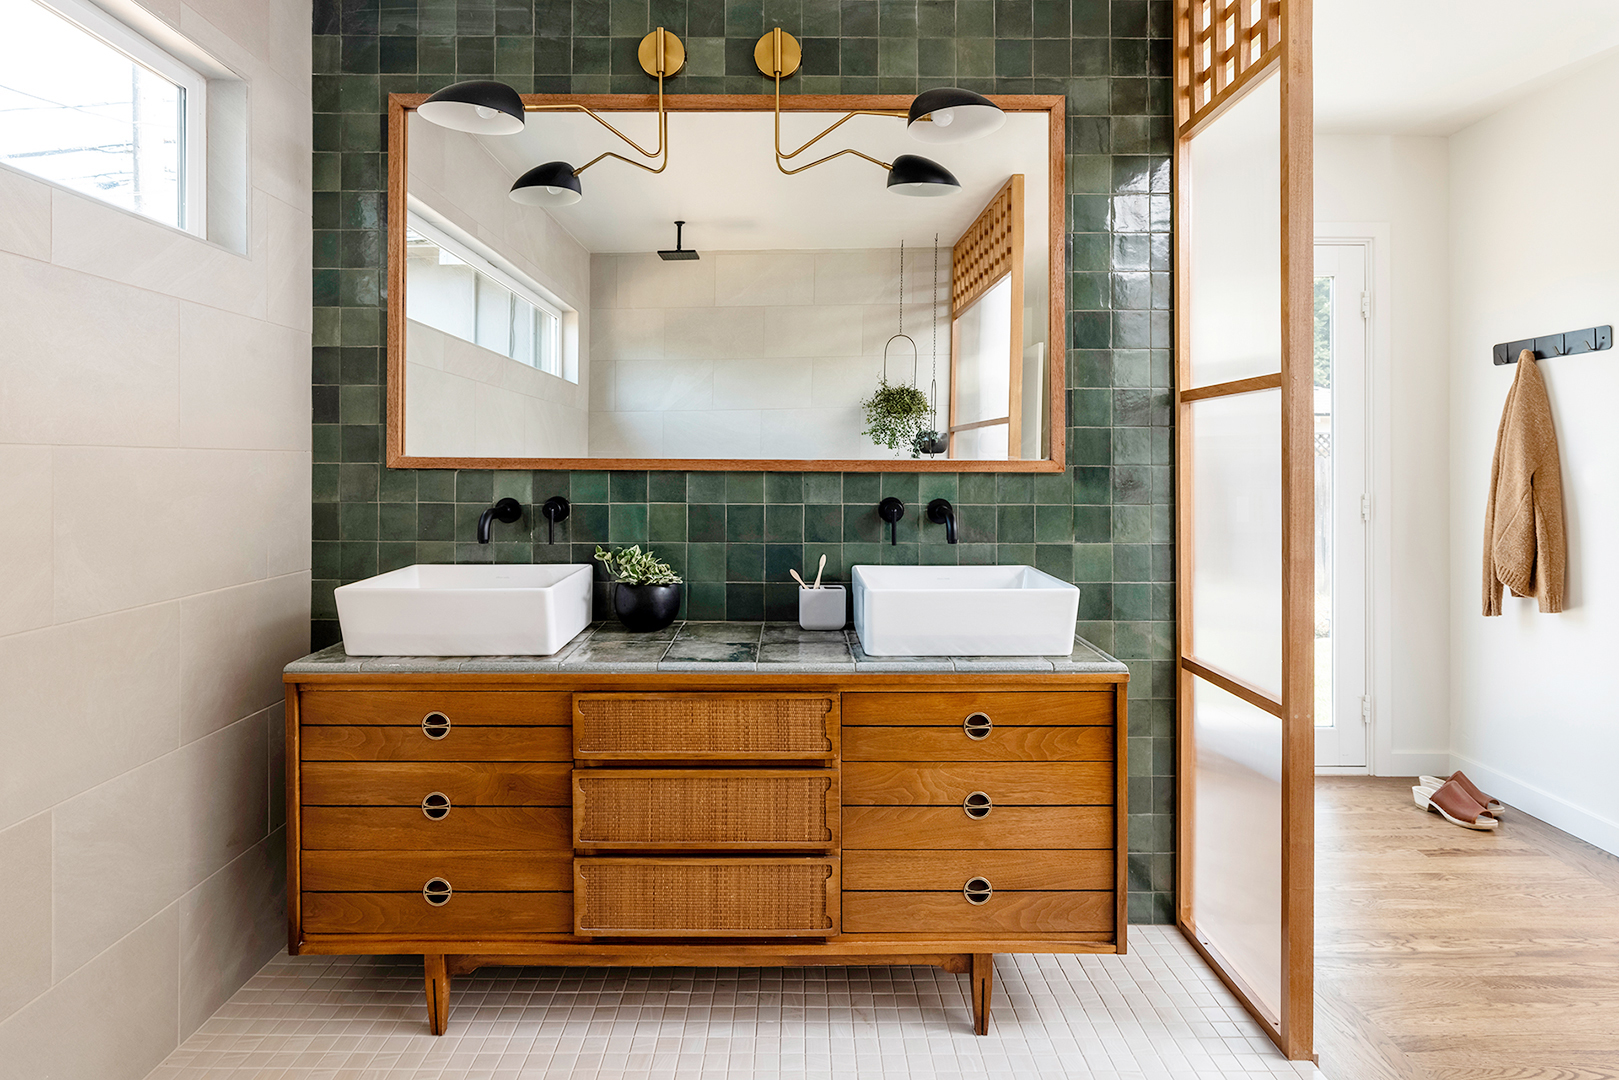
(949, 115)
(477, 106)
(553, 184)
(916, 176)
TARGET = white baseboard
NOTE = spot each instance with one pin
(1552, 809)
(1342, 770)
(1400, 763)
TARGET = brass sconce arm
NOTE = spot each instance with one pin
(661, 54)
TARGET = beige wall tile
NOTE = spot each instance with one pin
(627, 334)
(243, 383)
(187, 521)
(275, 742)
(287, 252)
(224, 800)
(115, 1018)
(25, 538)
(712, 434)
(235, 643)
(763, 277)
(712, 333)
(761, 384)
(25, 932)
(25, 227)
(84, 703)
(646, 281)
(230, 926)
(815, 331)
(858, 277)
(659, 385)
(68, 377)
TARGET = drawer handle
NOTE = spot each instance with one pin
(977, 726)
(977, 891)
(977, 805)
(437, 892)
(436, 806)
(435, 725)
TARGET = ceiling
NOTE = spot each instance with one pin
(723, 182)
(1432, 67)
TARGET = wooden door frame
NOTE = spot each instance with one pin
(1213, 69)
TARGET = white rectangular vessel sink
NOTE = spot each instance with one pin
(466, 610)
(963, 611)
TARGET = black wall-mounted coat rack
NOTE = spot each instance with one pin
(1594, 339)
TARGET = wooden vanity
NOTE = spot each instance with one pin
(764, 818)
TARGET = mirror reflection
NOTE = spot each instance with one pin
(720, 309)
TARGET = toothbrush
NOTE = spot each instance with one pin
(818, 570)
(798, 579)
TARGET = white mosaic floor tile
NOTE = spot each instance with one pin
(1158, 1013)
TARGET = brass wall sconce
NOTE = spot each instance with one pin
(945, 115)
(486, 107)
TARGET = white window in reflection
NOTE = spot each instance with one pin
(87, 103)
(452, 286)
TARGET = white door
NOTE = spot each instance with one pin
(1342, 505)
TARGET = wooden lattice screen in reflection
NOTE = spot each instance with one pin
(1219, 46)
(990, 248)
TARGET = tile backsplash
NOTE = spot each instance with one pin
(1106, 523)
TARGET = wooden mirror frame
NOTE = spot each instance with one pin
(400, 105)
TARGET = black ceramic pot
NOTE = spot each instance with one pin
(645, 608)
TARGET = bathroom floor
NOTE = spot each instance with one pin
(1156, 1013)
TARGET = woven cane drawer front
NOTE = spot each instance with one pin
(674, 727)
(717, 897)
(706, 809)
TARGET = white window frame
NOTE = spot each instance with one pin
(421, 218)
(194, 126)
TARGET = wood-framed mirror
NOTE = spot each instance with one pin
(530, 337)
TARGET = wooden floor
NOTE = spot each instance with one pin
(1449, 954)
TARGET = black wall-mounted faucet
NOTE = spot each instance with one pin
(507, 510)
(940, 512)
(891, 510)
(554, 510)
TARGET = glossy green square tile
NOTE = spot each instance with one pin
(667, 487)
(1015, 524)
(823, 524)
(862, 488)
(744, 487)
(744, 523)
(666, 522)
(784, 524)
(744, 602)
(861, 524)
(823, 488)
(706, 523)
(627, 523)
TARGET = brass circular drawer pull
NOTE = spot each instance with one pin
(977, 726)
(977, 890)
(435, 725)
(437, 892)
(436, 806)
(977, 805)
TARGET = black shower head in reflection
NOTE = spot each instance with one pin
(679, 254)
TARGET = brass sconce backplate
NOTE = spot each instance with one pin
(777, 54)
(661, 53)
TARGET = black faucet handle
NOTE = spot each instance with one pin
(891, 510)
(554, 510)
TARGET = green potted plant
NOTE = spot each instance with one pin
(896, 416)
(646, 593)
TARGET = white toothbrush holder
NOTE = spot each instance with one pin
(824, 608)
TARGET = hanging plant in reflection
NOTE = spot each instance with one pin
(897, 415)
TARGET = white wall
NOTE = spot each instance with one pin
(756, 353)
(1534, 235)
(154, 564)
(1395, 190)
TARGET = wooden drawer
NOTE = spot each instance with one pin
(705, 809)
(404, 828)
(717, 897)
(674, 727)
(948, 828)
(914, 744)
(481, 915)
(408, 871)
(951, 710)
(1003, 913)
(1012, 871)
(406, 783)
(357, 743)
(479, 708)
(876, 783)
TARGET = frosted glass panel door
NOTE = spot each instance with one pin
(1245, 513)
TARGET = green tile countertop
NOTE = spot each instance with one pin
(606, 648)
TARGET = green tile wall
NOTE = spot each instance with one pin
(1105, 523)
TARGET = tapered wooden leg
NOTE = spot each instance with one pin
(438, 993)
(983, 987)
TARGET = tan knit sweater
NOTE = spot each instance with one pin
(1525, 543)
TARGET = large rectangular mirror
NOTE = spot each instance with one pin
(527, 336)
